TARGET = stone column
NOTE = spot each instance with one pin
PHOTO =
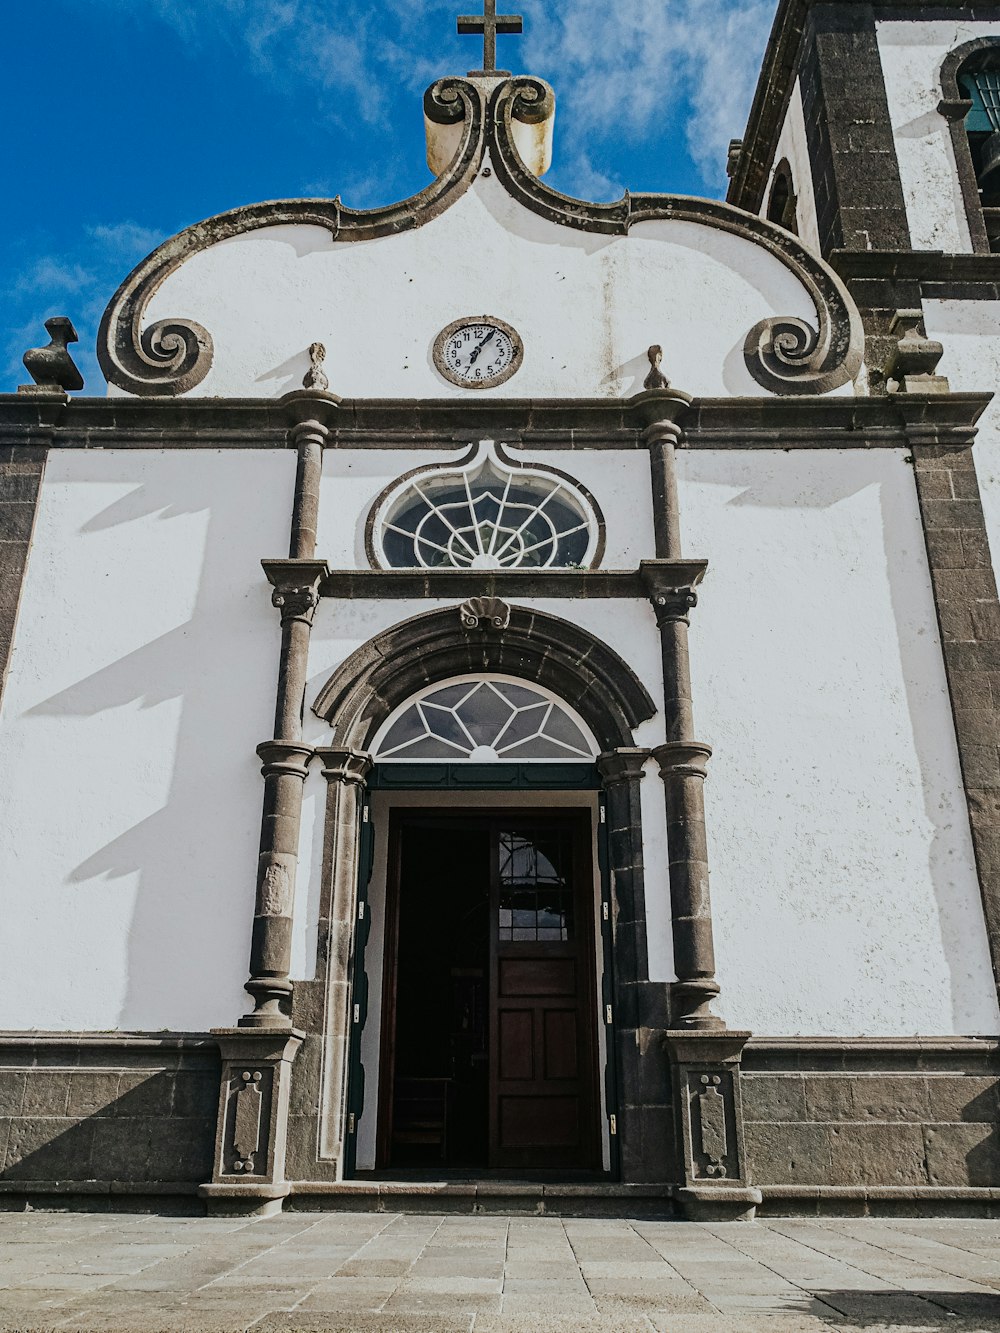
(704, 1056)
(345, 771)
(249, 1171)
(296, 596)
(682, 762)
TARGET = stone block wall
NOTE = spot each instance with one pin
(870, 1121)
(114, 1117)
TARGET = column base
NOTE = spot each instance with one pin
(718, 1203)
(250, 1200)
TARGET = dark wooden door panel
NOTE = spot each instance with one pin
(530, 1125)
(516, 1028)
(543, 1086)
(560, 1044)
(537, 976)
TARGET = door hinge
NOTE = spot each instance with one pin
(612, 1121)
(607, 1014)
(357, 1014)
(364, 814)
(361, 911)
(351, 1123)
(606, 911)
(604, 814)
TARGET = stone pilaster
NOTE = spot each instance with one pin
(640, 1006)
(248, 1176)
(345, 771)
(706, 1076)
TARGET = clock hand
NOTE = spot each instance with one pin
(475, 355)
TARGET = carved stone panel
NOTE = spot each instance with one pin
(248, 1112)
(713, 1144)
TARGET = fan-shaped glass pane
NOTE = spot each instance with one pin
(486, 514)
(484, 719)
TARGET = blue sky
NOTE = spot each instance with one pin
(127, 120)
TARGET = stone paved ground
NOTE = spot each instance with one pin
(357, 1273)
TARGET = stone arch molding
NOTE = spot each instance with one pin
(437, 645)
(784, 354)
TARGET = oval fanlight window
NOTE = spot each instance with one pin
(484, 719)
(485, 512)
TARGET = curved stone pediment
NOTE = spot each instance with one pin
(231, 305)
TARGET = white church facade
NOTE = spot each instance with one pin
(499, 699)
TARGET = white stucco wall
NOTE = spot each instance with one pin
(843, 883)
(141, 680)
(353, 479)
(587, 306)
(793, 147)
(912, 54)
(845, 892)
(970, 334)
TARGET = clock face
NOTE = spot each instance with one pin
(478, 352)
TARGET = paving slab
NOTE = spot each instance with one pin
(399, 1274)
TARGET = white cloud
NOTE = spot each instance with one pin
(78, 284)
(627, 68)
(621, 68)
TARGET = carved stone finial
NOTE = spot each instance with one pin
(733, 157)
(913, 362)
(656, 378)
(315, 378)
(484, 613)
(52, 367)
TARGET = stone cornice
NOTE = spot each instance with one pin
(920, 265)
(459, 584)
(800, 422)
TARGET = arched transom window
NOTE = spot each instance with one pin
(485, 512)
(484, 719)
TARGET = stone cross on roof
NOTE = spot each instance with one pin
(489, 23)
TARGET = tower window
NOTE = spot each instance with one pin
(970, 83)
(781, 206)
(982, 124)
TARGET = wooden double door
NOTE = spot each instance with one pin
(489, 1023)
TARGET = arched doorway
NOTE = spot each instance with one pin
(482, 1031)
(489, 1033)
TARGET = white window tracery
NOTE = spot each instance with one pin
(484, 719)
(485, 512)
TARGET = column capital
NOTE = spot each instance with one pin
(296, 587)
(688, 759)
(310, 431)
(343, 764)
(284, 757)
(671, 586)
(664, 432)
(622, 765)
(311, 408)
